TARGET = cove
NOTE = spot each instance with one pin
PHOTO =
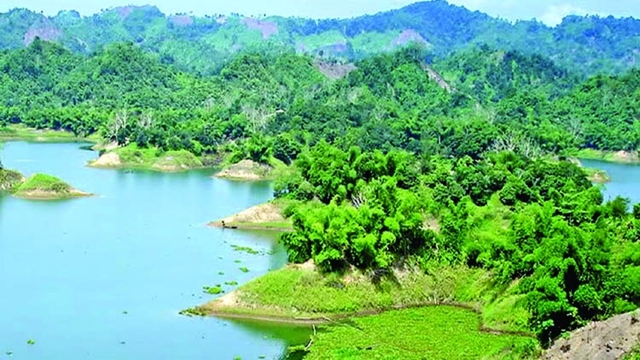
(105, 277)
(625, 179)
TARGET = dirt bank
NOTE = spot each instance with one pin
(50, 195)
(107, 160)
(604, 340)
(261, 217)
(246, 170)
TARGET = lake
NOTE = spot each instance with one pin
(625, 179)
(105, 277)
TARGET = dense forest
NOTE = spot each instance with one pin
(587, 45)
(273, 105)
(539, 224)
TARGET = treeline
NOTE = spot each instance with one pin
(277, 104)
(539, 224)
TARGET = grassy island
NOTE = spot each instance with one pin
(46, 187)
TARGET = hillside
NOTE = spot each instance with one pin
(261, 105)
(587, 45)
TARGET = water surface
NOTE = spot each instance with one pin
(625, 179)
(105, 277)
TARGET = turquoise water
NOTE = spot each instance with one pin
(105, 277)
(625, 179)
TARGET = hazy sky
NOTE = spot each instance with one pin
(549, 11)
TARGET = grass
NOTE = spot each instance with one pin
(42, 186)
(24, 133)
(301, 293)
(634, 354)
(440, 332)
(44, 182)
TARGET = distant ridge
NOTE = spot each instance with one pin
(587, 45)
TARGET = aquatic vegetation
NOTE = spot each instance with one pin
(213, 290)
(31, 342)
(244, 269)
(438, 332)
(192, 312)
(231, 283)
(247, 249)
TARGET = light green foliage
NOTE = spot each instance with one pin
(294, 292)
(432, 332)
(213, 290)
(44, 182)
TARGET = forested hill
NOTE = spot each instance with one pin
(586, 45)
(277, 104)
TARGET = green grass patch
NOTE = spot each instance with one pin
(45, 183)
(42, 186)
(634, 354)
(439, 332)
(297, 292)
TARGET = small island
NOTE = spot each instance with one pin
(37, 187)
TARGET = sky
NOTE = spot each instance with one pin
(550, 12)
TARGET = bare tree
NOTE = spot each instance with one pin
(118, 123)
(146, 120)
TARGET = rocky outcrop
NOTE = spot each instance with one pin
(604, 340)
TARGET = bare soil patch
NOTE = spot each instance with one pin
(109, 159)
(246, 170)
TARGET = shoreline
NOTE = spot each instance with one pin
(268, 216)
(294, 295)
(246, 171)
(337, 317)
(39, 195)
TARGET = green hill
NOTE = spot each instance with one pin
(587, 45)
